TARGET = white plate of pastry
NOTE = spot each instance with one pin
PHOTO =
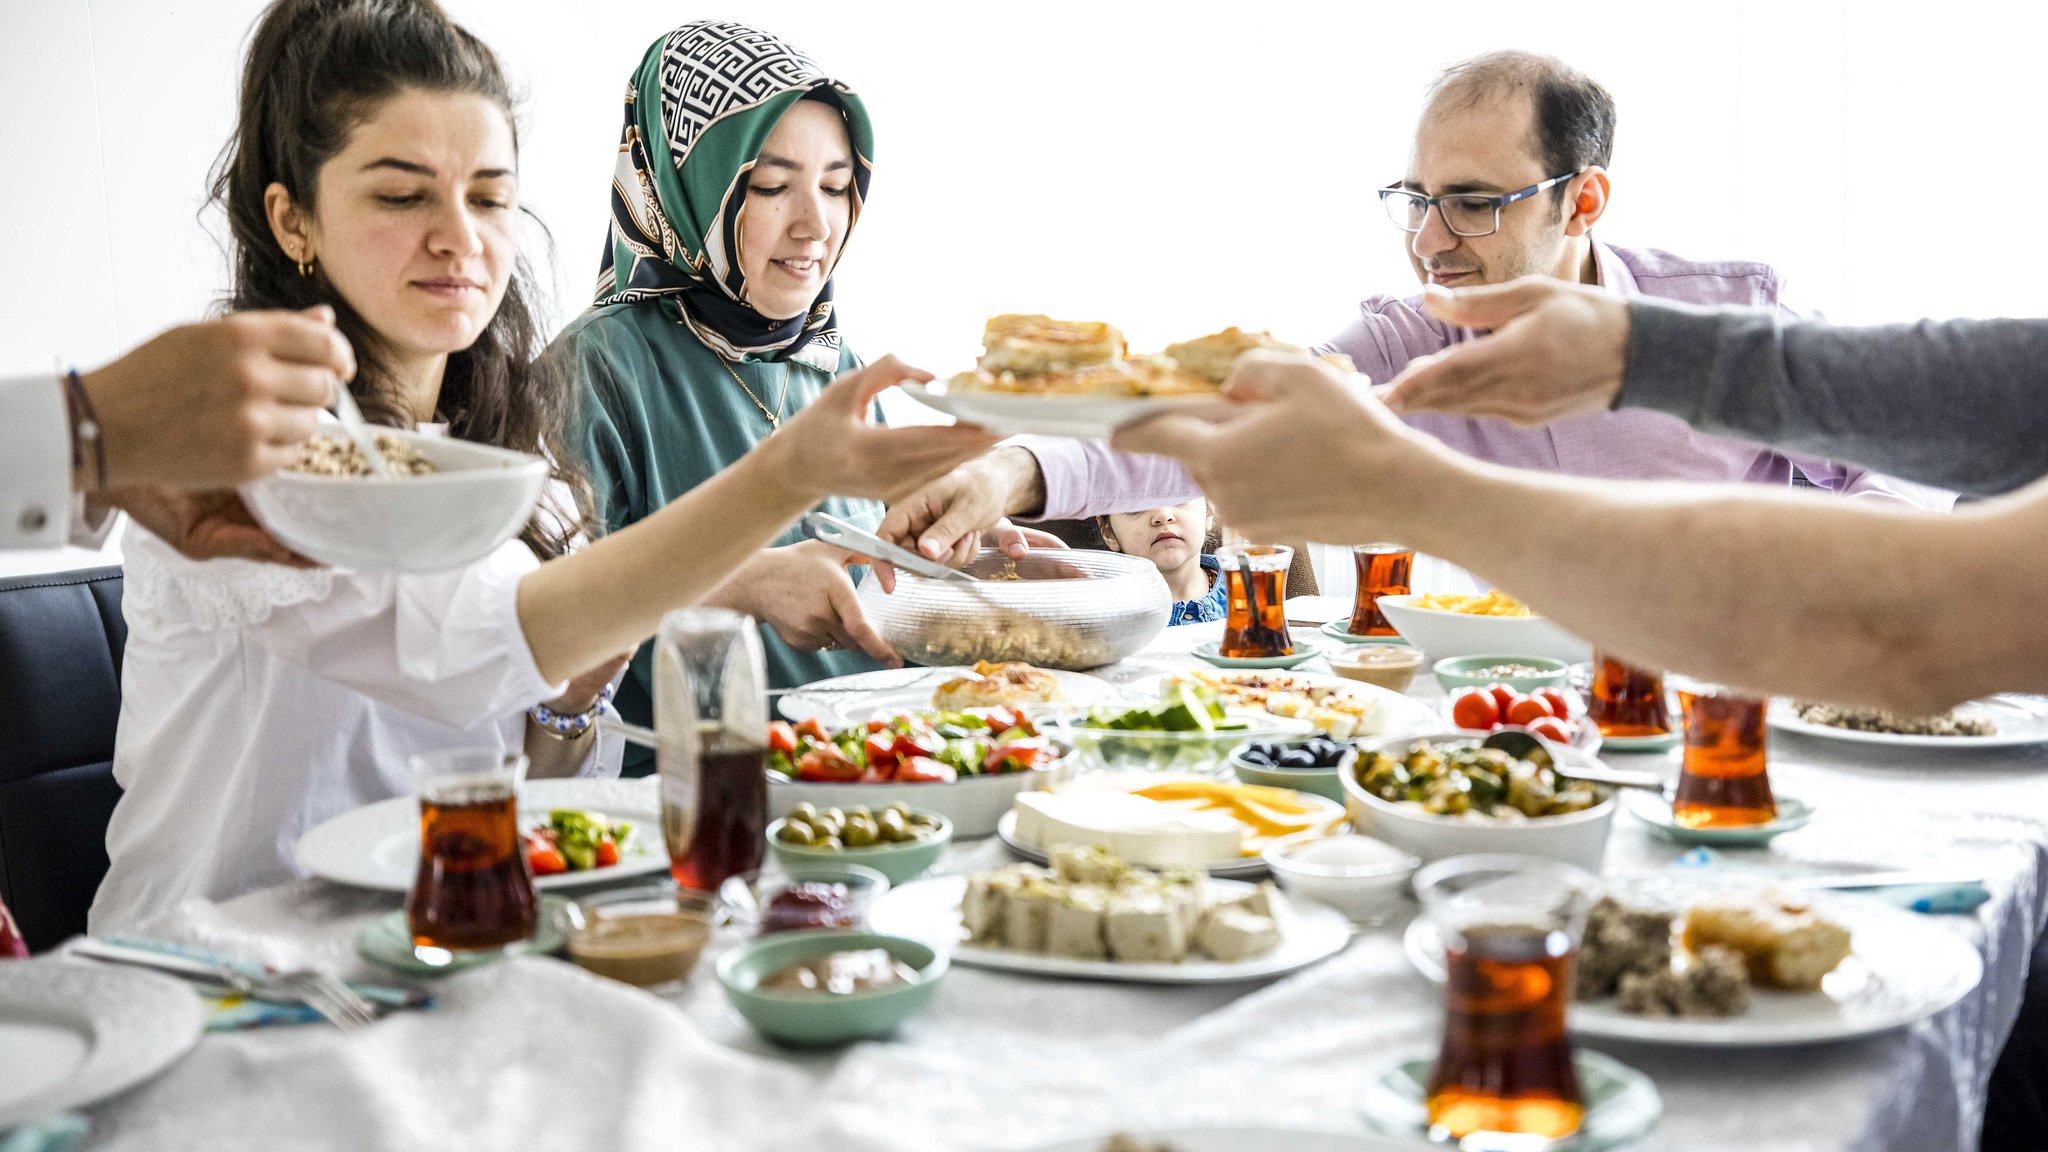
(1091, 916)
(1811, 970)
(855, 699)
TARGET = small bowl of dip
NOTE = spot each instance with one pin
(1364, 878)
(649, 936)
(815, 988)
(1390, 666)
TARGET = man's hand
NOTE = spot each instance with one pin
(1346, 461)
(803, 592)
(205, 525)
(946, 518)
(1556, 350)
(214, 404)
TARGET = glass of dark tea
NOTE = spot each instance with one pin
(1255, 582)
(472, 891)
(1510, 926)
(711, 711)
(1627, 701)
(1722, 781)
(1383, 570)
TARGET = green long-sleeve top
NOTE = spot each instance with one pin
(660, 415)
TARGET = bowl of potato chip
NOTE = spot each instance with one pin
(1445, 625)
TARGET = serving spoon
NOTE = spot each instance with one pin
(358, 429)
(1521, 744)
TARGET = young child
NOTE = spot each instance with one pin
(1171, 538)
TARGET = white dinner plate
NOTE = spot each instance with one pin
(2020, 721)
(855, 699)
(1901, 969)
(929, 910)
(1261, 1139)
(73, 1033)
(1079, 417)
(1249, 868)
(1393, 713)
(378, 845)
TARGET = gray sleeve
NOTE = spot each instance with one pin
(1962, 404)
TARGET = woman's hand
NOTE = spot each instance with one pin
(834, 448)
(582, 693)
(803, 592)
(205, 525)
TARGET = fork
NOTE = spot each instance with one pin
(333, 1000)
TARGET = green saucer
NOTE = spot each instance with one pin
(1341, 630)
(1664, 743)
(386, 941)
(1211, 651)
(1655, 811)
(1622, 1105)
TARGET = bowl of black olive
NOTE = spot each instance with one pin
(1313, 764)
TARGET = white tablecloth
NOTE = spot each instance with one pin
(535, 1054)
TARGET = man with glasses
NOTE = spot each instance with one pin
(1507, 179)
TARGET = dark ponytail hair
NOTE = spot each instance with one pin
(317, 69)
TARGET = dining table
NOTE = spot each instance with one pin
(534, 1053)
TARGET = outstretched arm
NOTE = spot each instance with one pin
(1947, 403)
(1774, 591)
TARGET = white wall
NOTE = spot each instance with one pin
(1171, 167)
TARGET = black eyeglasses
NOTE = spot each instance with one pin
(1464, 213)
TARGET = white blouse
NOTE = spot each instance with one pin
(258, 701)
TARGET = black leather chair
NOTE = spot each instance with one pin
(61, 636)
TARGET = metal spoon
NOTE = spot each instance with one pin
(1522, 744)
(358, 429)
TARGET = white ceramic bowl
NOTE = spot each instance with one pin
(1364, 893)
(1441, 635)
(480, 497)
(974, 805)
(1576, 838)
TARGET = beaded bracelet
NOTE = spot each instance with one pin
(85, 428)
(572, 725)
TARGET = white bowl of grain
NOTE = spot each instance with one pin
(464, 501)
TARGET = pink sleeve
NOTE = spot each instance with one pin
(1387, 335)
(1089, 478)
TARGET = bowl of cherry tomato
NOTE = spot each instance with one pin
(1555, 714)
(965, 766)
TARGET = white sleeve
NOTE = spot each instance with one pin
(445, 646)
(35, 463)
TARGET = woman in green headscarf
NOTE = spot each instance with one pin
(741, 171)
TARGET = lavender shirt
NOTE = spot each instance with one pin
(1087, 478)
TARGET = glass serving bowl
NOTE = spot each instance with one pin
(1065, 609)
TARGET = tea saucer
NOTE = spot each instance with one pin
(1655, 811)
(1622, 1105)
(1664, 743)
(1341, 630)
(1211, 651)
(387, 941)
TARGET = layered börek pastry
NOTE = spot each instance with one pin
(1784, 941)
(997, 686)
(1038, 355)
(1041, 345)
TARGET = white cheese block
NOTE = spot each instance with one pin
(1141, 830)
(1141, 927)
(1025, 915)
(1075, 925)
(1229, 935)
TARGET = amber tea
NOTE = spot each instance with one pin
(719, 828)
(1255, 624)
(1383, 570)
(1627, 701)
(1506, 1062)
(472, 890)
(1722, 782)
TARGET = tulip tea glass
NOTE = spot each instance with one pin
(472, 891)
(1510, 926)
(711, 711)
(1722, 782)
(1255, 579)
(1627, 701)
(1383, 570)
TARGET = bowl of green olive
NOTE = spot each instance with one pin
(897, 841)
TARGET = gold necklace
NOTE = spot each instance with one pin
(775, 417)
